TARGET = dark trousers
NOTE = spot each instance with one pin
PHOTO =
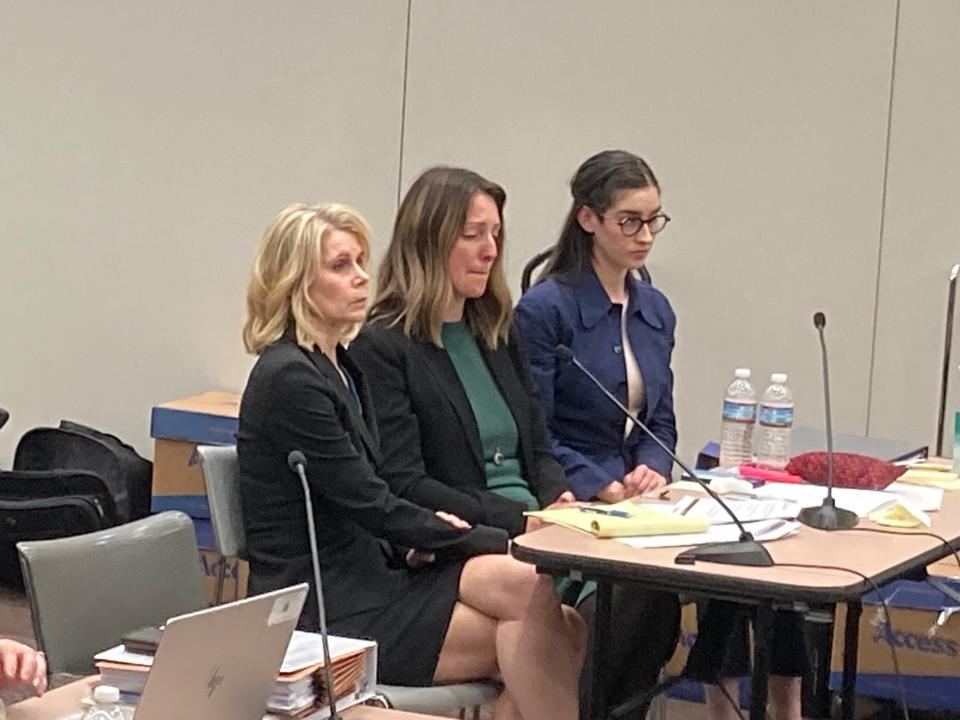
(643, 635)
(722, 649)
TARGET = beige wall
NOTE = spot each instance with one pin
(145, 145)
(921, 238)
(765, 122)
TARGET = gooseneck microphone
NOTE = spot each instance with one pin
(298, 464)
(947, 344)
(745, 551)
(828, 516)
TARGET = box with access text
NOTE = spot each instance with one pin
(924, 630)
(236, 571)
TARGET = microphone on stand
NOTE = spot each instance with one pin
(745, 551)
(828, 516)
(947, 343)
(298, 464)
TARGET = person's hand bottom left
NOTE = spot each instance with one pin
(22, 666)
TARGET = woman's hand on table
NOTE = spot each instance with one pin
(642, 480)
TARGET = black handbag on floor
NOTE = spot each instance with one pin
(72, 446)
(46, 504)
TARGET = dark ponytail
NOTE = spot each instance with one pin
(595, 186)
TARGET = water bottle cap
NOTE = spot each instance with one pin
(778, 378)
(106, 695)
(741, 373)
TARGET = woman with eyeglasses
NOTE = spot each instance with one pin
(591, 299)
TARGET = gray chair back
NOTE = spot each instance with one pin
(86, 591)
(221, 473)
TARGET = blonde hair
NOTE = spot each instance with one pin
(278, 295)
(414, 285)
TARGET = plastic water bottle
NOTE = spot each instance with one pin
(106, 705)
(775, 424)
(739, 415)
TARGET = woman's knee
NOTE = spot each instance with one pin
(506, 588)
(534, 591)
(528, 590)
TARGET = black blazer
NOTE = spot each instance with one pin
(296, 400)
(430, 442)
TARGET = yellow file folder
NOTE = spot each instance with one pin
(931, 478)
(642, 520)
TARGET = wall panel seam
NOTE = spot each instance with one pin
(403, 103)
(883, 216)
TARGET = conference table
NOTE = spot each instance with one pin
(881, 558)
(66, 701)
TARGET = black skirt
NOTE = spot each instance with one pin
(410, 630)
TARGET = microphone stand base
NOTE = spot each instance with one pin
(743, 552)
(828, 517)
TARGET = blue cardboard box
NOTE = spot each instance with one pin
(926, 636)
(177, 428)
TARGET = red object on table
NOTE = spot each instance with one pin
(850, 470)
(755, 472)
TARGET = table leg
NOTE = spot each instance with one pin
(601, 635)
(851, 645)
(762, 642)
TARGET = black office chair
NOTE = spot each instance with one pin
(542, 256)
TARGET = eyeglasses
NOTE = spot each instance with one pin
(632, 225)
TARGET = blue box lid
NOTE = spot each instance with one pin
(207, 419)
(196, 506)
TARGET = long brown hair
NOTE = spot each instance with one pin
(413, 286)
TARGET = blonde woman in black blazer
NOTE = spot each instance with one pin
(423, 584)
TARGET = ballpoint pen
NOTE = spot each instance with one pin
(602, 511)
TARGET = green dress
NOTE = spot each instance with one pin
(498, 430)
(498, 433)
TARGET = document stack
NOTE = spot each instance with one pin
(299, 691)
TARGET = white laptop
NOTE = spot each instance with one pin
(221, 663)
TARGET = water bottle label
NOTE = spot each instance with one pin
(739, 412)
(776, 416)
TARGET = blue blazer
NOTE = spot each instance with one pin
(586, 429)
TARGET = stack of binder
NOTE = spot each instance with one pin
(303, 693)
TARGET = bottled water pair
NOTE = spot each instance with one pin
(775, 421)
